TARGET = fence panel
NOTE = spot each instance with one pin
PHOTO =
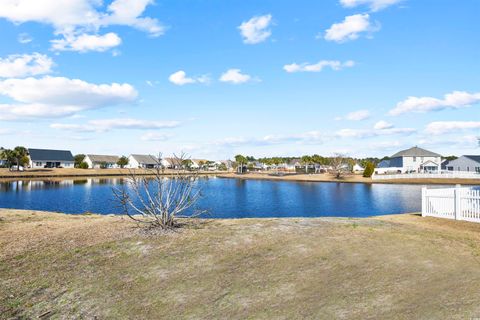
(452, 203)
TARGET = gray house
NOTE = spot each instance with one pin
(467, 163)
(411, 160)
(45, 158)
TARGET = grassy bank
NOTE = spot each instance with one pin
(404, 267)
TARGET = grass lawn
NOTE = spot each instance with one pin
(404, 267)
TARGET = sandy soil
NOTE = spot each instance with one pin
(402, 267)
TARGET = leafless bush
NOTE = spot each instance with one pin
(339, 166)
(157, 200)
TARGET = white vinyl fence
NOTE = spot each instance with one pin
(440, 175)
(452, 203)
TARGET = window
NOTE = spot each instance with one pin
(38, 164)
(477, 169)
(414, 159)
(468, 168)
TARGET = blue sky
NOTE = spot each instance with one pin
(216, 78)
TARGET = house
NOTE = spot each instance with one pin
(466, 163)
(44, 158)
(101, 161)
(228, 164)
(357, 168)
(411, 160)
(142, 161)
(171, 163)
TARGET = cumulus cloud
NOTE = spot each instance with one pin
(180, 78)
(74, 18)
(356, 116)
(256, 29)
(381, 128)
(380, 125)
(454, 100)
(319, 66)
(235, 76)
(50, 97)
(350, 28)
(375, 5)
(23, 65)
(103, 125)
(86, 42)
(441, 127)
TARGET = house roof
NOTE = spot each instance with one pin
(295, 161)
(415, 152)
(174, 161)
(384, 164)
(145, 158)
(52, 155)
(474, 158)
(103, 158)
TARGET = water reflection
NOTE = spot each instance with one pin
(223, 198)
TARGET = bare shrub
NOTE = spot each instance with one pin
(339, 166)
(157, 200)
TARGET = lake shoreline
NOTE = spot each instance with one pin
(7, 176)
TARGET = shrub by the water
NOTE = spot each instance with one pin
(369, 169)
(83, 165)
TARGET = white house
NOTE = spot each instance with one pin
(357, 168)
(411, 160)
(142, 161)
(44, 158)
(101, 161)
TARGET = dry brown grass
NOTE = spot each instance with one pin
(403, 267)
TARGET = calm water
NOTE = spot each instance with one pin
(226, 198)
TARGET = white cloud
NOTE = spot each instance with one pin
(380, 125)
(59, 97)
(350, 28)
(441, 127)
(381, 128)
(454, 100)
(180, 78)
(155, 136)
(356, 116)
(235, 76)
(375, 5)
(25, 65)
(104, 125)
(86, 42)
(74, 18)
(256, 29)
(319, 66)
(24, 38)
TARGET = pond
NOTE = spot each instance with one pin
(226, 198)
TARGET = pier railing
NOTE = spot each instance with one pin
(451, 203)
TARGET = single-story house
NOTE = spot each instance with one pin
(101, 161)
(171, 163)
(3, 162)
(228, 164)
(45, 158)
(411, 160)
(142, 161)
(468, 163)
(357, 168)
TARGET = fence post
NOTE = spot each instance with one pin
(424, 201)
(457, 202)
